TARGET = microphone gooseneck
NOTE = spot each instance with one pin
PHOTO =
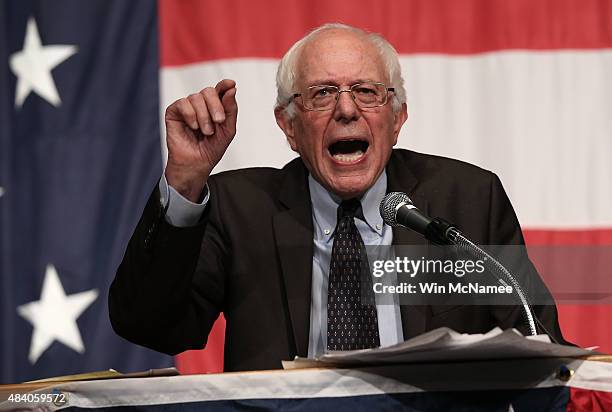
(499, 271)
(397, 209)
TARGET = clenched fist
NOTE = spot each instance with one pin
(199, 128)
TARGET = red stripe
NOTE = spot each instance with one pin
(200, 30)
(587, 400)
(568, 237)
(587, 325)
(209, 360)
(571, 319)
(595, 331)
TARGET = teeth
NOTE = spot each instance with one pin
(348, 157)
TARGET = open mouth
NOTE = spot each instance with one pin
(348, 151)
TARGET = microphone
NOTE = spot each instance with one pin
(397, 209)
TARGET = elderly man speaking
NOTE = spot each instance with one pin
(280, 252)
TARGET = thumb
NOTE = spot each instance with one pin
(230, 106)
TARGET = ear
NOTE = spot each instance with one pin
(399, 119)
(286, 124)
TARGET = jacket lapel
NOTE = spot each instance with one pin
(293, 230)
(401, 179)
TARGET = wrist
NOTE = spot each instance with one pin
(188, 183)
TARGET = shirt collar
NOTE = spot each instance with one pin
(325, 206)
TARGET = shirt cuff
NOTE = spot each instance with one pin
(180, 212)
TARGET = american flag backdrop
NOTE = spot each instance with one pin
(521, 87)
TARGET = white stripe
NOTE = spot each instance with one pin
(258, 141)
(540, 120)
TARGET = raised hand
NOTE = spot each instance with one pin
(199, 129)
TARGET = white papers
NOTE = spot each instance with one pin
(445, 344)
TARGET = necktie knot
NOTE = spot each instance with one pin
(350, 208)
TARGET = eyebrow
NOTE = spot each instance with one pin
(328, 82)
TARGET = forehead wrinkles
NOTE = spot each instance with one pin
(340, 55)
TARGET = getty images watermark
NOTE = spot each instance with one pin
(446, 275)
(424, 266)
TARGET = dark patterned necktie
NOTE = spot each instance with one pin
(351, 323)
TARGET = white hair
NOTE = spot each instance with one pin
(286, 73)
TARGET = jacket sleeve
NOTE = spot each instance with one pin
(153, 300)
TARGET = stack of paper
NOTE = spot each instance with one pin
(444, 344)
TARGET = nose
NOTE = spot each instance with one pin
(346, 109)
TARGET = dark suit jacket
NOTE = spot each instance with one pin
(250, 257)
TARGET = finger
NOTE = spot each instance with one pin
(231, 107)
(213, 102)
(224, 85)
(182, 110)
(202, 114)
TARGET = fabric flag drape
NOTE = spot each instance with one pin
(79, 155)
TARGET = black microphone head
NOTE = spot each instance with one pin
(388, 207)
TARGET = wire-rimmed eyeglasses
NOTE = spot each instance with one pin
(324, 97)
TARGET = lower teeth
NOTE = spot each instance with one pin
(348, 157)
